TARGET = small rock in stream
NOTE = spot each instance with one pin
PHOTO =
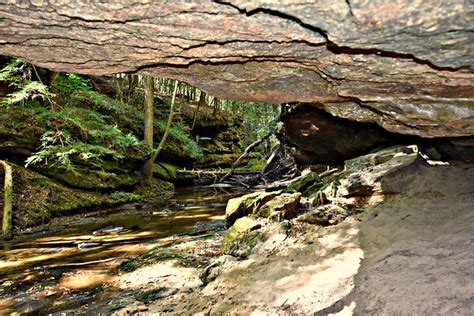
(108, 230)
(88, 245)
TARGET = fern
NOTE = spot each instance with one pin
(28, 91)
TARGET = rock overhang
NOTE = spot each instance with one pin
(407, 66)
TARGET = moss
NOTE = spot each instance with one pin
(280, 207)
(41, 181)
(38, 198)
(217, 160)
(165, 171)
(307, 185)
(85, 178)
(242, 237)
(245, 205)
(126, 197)
(156, 192)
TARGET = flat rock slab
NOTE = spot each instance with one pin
(404, 65)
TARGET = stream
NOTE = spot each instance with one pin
(62, 265)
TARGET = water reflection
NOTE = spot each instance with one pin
(76, 252)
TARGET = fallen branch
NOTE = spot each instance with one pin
(328, 172)
(214, 172)
(245, 155)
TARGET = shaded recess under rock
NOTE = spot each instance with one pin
(317, 137)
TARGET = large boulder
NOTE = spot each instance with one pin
(365, 179)
(246, 205)
(306, 185)
(405, 65)
(275, 206)
(387, 171)
(242, 237)
(280, 207)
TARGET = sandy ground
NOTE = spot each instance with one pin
(419, 248)
(413, 254)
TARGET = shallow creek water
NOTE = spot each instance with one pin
(57, 266)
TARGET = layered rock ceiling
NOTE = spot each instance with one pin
(406, 65)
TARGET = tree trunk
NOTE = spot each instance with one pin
(7, 227)
(148, 170)
(202, 101)
(132, 84)
(148, 115)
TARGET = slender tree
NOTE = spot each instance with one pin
(148, 169)
(202, 101)
(148, 111)
(7, 227)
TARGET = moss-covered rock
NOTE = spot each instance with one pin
(217, 160)
(246, 205)
(307, 185)
(280, 207)
(242, 237)
(37, 198)
(156, 192)
(90, 179)
(165, 171)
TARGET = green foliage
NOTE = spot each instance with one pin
(126, 197)
(259, 118)
(256, 155)
(71, 84)
(11, 72)
(79, 134)
(180, 139)
(18, 75)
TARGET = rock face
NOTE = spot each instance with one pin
(317, 137)
(407, 66)
(365, 179)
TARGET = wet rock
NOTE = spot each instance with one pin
(245, 205)
(364, 61)
(242, 237)
(280, 207)
(88, 245)
(205, 227)
(108, 230)
(318, 137)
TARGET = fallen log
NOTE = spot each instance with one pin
(214, 172)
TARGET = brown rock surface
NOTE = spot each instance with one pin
(408, 66)
(317, 137)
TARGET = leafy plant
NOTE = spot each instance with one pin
(126, 197)
(18, 75)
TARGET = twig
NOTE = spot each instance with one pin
(328, 172)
